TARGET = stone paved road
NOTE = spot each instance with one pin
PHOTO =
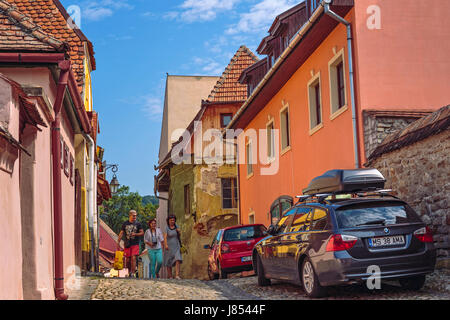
(437, 288)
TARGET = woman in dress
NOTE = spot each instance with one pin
(172, 255)
(154, 241)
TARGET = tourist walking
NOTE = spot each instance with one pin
(154, 242)
(172, 255)
(132, 230)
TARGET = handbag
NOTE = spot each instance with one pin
(118, 260)
(183, 249)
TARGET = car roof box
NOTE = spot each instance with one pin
(346, 181)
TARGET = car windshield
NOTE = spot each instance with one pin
(365, 215)
(244, 233)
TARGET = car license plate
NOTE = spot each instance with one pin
(386, 241)
(246, 259)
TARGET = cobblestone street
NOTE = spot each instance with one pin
(437, 287)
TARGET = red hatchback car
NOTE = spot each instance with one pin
(231, 249)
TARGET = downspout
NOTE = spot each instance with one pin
(57, 191)
(238, 183)
(96, 224)
(335, 16)
(90, 191)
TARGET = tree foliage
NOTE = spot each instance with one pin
(115, 210)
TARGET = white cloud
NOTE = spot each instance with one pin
(201, 10)
(98, 10)
(260, 16)
(209, 66)
(152, 107)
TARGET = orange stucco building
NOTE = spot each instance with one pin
(399, 55)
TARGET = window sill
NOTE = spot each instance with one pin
(269, 160)
(285, 150)
(315, 129)
(338, 112)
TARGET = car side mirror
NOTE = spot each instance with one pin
(206, 246)
(272, 230)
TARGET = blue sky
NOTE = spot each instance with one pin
(137, 42)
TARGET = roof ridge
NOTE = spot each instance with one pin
(219, 84)
(26, 24)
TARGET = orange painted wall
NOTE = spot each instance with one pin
(310, 155)
(403, 65)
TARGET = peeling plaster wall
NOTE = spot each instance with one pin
(207, 215)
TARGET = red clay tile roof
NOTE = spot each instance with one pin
(227, 88)
(103, 190)
(18, 32)
(93, 118)
(51, 16)
(418, 130)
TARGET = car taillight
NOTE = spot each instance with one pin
(424, 234)
(225, 248)
(340, 242)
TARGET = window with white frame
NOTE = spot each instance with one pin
(251, 218)
(337, 83)
(249, 157)
(285, 128)
(270, 140)
(315, 102)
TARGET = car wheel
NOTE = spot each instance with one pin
(262, 280)
(310, 281)
(412, 283)
(222, 274)
(211, 274)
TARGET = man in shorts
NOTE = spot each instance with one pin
(132, 230)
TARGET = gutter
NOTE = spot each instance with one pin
(57, 192)
(90, 191)
(66, 81)
(324, 7)
(348, 25)
(292, 44)
(53, 58)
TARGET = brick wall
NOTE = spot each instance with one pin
(420, 175)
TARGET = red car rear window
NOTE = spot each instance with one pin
(244, 233)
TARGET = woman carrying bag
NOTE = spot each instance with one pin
(172, 255)
(154, 241)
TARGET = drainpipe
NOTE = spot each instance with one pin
(90, 191)
(335, 16)
(96, 224)
(238, 182)
(57, 192)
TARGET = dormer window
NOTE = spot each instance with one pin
(250, 87)
(314, 5)
(272, 60)
(285, 42)
(225, 119)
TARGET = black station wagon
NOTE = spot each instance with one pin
(341, 235)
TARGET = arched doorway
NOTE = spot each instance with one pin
(277, 208)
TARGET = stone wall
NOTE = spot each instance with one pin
(377, 126)
(420, 175)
